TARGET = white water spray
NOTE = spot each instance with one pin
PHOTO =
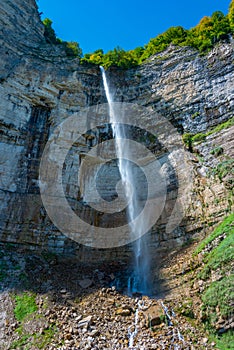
(133, 334)
(177, 336)
(139, 281)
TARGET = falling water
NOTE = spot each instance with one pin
(176, 336)
(133, 334)
(139, 280)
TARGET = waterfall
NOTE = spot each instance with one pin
(139, 279)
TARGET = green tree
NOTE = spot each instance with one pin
(203, 37)
(119, 58)
(137, 53)
(175, 35)
(231, 16)
(49, 32)
(221, 26)
(72, 49)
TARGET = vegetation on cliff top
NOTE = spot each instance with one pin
(208, 32)
(72, 48)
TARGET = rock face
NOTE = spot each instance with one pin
(193, 92)
(41, 87)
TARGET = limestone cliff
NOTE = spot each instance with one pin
(40, 87)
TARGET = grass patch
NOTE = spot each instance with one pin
(219, 294)
(218, 297)
(20, 343)
(221, 126)
(189, 138)
(41, 341)
(225, 341)
(186, 309)
(217, 151)
(224, 168)
(27, 341)
(219, 257)
(25, 305)
(25, 309)
(227, 227)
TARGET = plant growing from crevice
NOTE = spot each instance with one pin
(223, 169)
(189, 139)
(225, 227)
(217, 151)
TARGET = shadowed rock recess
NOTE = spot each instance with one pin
(40, 87)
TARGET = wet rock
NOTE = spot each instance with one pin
(123, 312)
(85, 283)
(154, 315)
(63, 291)
(112, 276)
(94, 333)
(85, 322)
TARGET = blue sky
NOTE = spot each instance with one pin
(125, 23)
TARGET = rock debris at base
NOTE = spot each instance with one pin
(95, 317)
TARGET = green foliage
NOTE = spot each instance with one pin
(189, 138)
(231, 16)
(221, 126)
(28, 341)
(174, 36)
(208, 32)
(25, 305)
(199, 137)
(41, 341)
(117, 57)
(217, 151)
(226, 341)
(49, 32)
(72, 48)
(203, 37)
(25, 310)
(227, 227)
(185, 309)
(19, 344)
(219, 257)
(219, 294)
(224, 168)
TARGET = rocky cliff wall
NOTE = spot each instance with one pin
(40, 87)
(194, 92)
